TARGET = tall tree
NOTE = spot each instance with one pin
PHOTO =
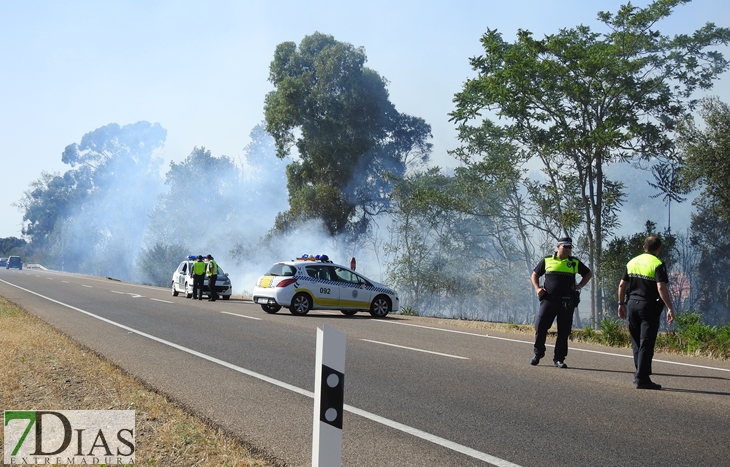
(92, 219)
(579, 100)
(348, 135)
(199, 187)
(706, 156)
(670, 186)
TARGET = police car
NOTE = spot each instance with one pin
(182, 281)
(315, 283)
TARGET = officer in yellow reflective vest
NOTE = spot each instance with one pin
(212, 273)
(197, 271)
(642, 294)
(558, 298)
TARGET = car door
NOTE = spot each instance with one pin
(324, 286)
(354, 293)
(182, 272)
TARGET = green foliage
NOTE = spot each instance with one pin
(158, 262)
(408, 311)
(578, 100)
(706, 151)
(439, 229)
(91, 218)
(348, 136)
(614, 332)
(11, 246)
(201, 185)
(691, 336)
(588, 335)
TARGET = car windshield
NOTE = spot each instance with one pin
(281, 270)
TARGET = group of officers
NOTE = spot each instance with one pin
(199, 271)
(642, 296)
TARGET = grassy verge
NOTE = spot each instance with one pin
(689, 337)
(44, 370)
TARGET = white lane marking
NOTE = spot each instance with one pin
(550, 345)
(242, 316)
(417, 350)
(160, 300)
(84, 285)
(134, 295)
(116, 291)
(49, 278)
(496, 461)
(65, 282)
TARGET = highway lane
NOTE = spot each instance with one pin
(472, 397)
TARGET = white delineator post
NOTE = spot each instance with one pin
(329, 395)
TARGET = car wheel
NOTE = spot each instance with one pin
(348, 312)
(300, 304)
(188, 291)
(271, 308)
(175, 293)
(380, 307)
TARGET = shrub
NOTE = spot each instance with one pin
(408, 311)
(614, 332)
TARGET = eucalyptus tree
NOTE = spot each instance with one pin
(93, 217)
(578, 100)
(705, 151)
(333, 115)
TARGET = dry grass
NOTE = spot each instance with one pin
(44, 370)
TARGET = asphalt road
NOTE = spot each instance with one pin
(416, 394)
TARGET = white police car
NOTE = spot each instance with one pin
(315, 283)
(182, 281)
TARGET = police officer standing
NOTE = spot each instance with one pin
(558, 298)
(645, 282)
(197, 271)
(212, 273)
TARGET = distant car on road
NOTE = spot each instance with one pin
(3, 262)
(182, 281)
(315, 283)
(14, 262)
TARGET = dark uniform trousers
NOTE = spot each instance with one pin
(198, 280)
(643, 319)
(213, 295)
(551, 308)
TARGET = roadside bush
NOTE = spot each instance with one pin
(408, 311)
(614, 332)
(693, 334)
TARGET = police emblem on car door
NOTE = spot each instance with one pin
(354, 290)
(324, 285)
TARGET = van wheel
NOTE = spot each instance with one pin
(175, 293)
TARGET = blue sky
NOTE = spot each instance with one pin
(200, 69)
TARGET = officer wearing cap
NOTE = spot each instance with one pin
(212, 272)
(558, 298)
(197, 271)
